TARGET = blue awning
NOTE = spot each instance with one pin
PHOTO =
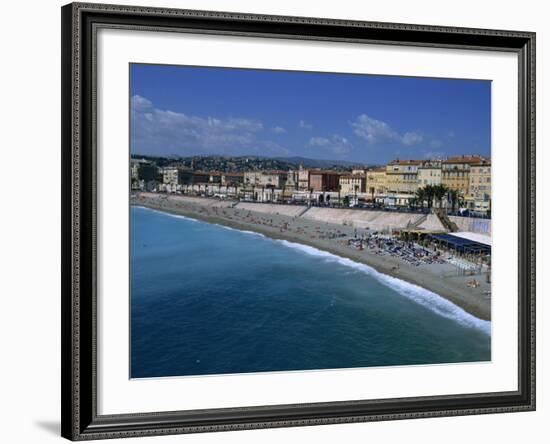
(461, 244)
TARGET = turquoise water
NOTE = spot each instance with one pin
(206, 299)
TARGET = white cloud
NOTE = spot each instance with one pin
(377, 131)
(141, 104)
(278, 130)
(319, 141)
(434, 155)
(372, 130)
(156, 131)
(336, 144)
(304, 125)
(411, 138)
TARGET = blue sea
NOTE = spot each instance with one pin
(207, 299)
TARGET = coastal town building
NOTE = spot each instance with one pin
(429, 173)
(291, 180)
(320, 180)
(479, 195)
(352, 184)
(204, 177)
(270, 179)
(174, 178)
(377, 183)
(144, 175)
(455, 172)
(232, 179)
(402, 177)
(303, 179)
(268, 194)
(393, 185)
(176, 175)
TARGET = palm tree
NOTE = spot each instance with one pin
(429, 194)
(420, 196)
(454, 196)
(439, 193)
(461, 201)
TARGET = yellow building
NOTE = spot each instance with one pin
(376, 182)
(479, 194)
(455, 173)
(402, 177)
(351, 184)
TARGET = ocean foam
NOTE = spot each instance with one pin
(426, 298)
(166, 213)
(254, 233)
(179, 216)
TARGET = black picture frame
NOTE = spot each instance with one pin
(80, 22)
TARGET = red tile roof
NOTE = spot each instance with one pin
(464, 159)
(405, 162)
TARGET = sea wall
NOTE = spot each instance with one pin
(472, 224)
(285, 210)
(375, 220)
(200, 201)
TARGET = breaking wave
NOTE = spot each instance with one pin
(426, 298)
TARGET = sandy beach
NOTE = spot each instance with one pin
(440, 278)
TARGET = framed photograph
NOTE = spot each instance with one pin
(282, 221)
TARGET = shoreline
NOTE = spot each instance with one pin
(451, 289)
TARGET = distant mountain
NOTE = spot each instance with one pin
(318, 163)
(247, 163)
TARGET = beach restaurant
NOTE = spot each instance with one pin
(460, 243)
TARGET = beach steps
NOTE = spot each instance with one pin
(431, 223)
(417, 223)
(446, 222)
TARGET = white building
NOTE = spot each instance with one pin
(429, 174)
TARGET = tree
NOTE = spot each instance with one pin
(420, 196)
(429, 195)
(439, 193)
(454, 196)
(461, 201)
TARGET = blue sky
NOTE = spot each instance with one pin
(178, 110)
